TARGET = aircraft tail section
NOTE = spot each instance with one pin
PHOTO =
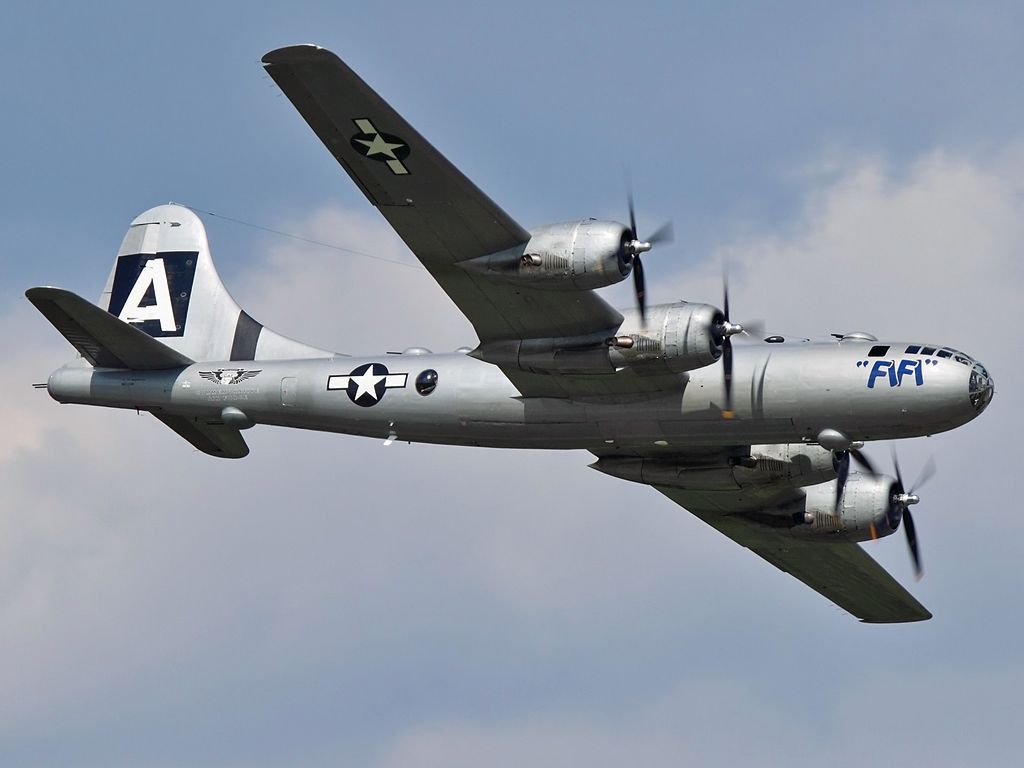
(164, 307)
(164, 284)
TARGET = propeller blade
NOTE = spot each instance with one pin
(727, 371)
(842, 473)
(863, 461)
(927, 473)
(725, 295)
(908, 526)
(640, 287)
(754, 328)
(896, 468)
(663, 234)
(632, 210)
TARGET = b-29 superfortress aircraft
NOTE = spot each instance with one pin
(755, 440)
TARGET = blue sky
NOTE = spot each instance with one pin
(328, 601)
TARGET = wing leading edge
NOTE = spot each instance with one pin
(841, 571)
(439, 213)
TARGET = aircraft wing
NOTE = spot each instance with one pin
(439, 213)
(841, 571)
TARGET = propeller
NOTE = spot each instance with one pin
(634, 246)
(724, 331)
(899, 508)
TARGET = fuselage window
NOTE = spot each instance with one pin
(944, 353)
(927, 350)
(878, 351)
(913, 349)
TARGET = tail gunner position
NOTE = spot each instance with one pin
(756, 440)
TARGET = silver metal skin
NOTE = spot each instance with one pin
(671, 338)
(784, 393)
(576, 254)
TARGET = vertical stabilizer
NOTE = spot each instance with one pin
(164, 283)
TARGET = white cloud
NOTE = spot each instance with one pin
(727, 722)
(929, 250)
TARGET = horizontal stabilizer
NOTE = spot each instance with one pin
(101, 338)
(214, 439)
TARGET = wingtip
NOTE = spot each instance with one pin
(910, 618)
(295, 52)
(45, 292)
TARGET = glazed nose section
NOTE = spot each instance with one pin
(980, 387)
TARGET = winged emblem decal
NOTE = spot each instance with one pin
(228, 376)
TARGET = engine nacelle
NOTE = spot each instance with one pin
(790, 465)
(868, 510)
(573, 255)
(676, 337)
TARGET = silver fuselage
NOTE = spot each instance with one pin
(784, 393)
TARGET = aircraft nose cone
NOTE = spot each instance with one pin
(980, 387)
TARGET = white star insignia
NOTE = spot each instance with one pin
(366, 384)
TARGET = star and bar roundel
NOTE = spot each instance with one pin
(382, 147)
(367, 384)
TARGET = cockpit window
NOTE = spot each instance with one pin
(980, 387)
(946, 352)
(879, 350)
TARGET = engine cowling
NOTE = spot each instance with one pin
(572, 255)
(676, 337)
(868, 509)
